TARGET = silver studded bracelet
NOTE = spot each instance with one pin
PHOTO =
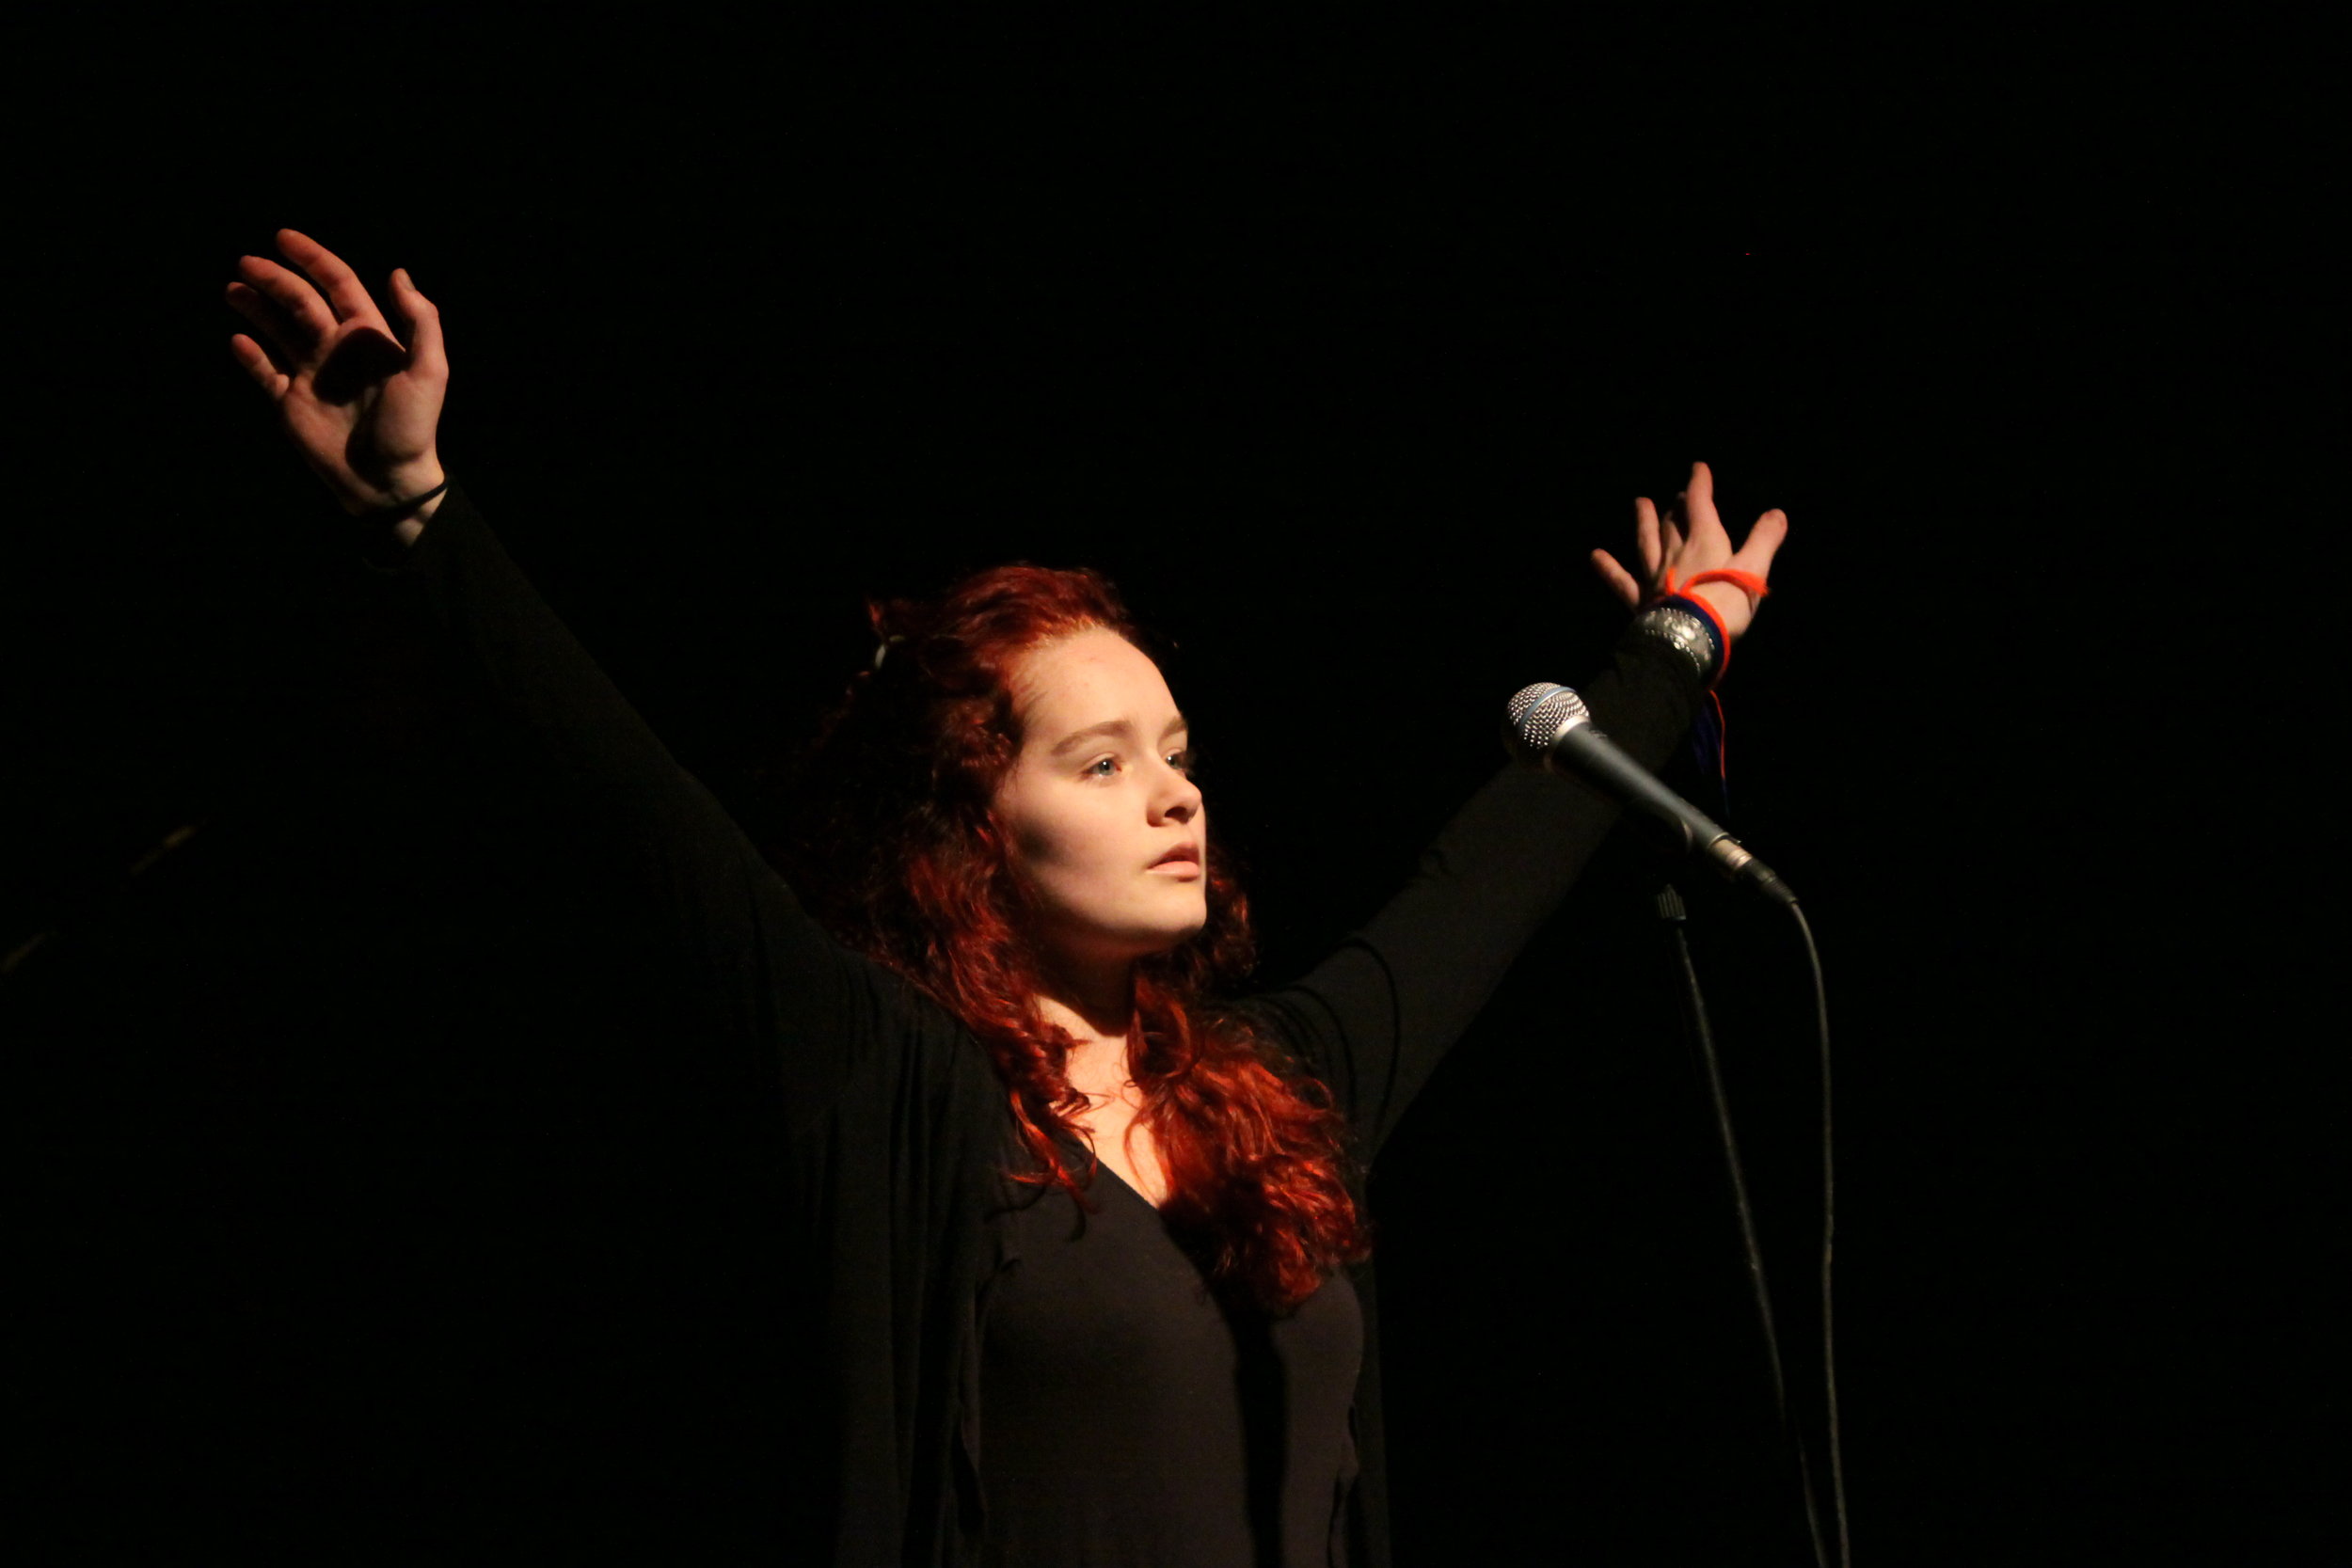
(1688, 633)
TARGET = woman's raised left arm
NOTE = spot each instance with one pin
(1376, 1015)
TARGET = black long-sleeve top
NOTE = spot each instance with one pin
(933, 1409)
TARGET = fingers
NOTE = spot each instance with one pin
(1700, 506)
(304, 320)
(1763, 541)
(1620, 581)
(257, 364)
(1646, 535)
(344, 290)
(1673, 530)
(425, 355)
(283, 340)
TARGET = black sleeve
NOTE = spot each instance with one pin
(1374, 1019)
(771, 981)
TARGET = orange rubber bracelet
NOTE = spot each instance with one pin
(1746, 582)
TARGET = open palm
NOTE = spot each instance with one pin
(1686, 549)
(363, 408)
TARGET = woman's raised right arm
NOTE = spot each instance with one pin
(363, 410)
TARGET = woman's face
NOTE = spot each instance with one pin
(1108, 824)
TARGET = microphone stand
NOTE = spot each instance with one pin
(1672, 914)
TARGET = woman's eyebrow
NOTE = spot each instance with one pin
(1112, 727)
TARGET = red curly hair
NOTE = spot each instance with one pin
(899, 849)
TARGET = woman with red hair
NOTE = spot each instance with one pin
(996, 961)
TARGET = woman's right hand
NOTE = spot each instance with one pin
(362, 409)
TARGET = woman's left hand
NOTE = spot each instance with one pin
(1705, 548)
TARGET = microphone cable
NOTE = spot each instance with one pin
(1829, 1239)
(1672, 911)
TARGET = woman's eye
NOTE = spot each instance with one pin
(1102, 768)
(1182, 760)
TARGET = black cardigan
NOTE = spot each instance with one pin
(892, 1115)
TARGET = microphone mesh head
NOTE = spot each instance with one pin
(1542, 713)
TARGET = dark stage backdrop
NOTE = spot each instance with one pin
(375, 1208)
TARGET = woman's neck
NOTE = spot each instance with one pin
(1098, 1012)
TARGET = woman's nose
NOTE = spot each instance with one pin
(1179, 801)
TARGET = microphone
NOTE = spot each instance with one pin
(1552, 725)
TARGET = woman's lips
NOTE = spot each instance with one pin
(1181, 862)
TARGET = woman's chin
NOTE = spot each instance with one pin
(1158, 943)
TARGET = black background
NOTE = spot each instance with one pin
(375, 1213)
